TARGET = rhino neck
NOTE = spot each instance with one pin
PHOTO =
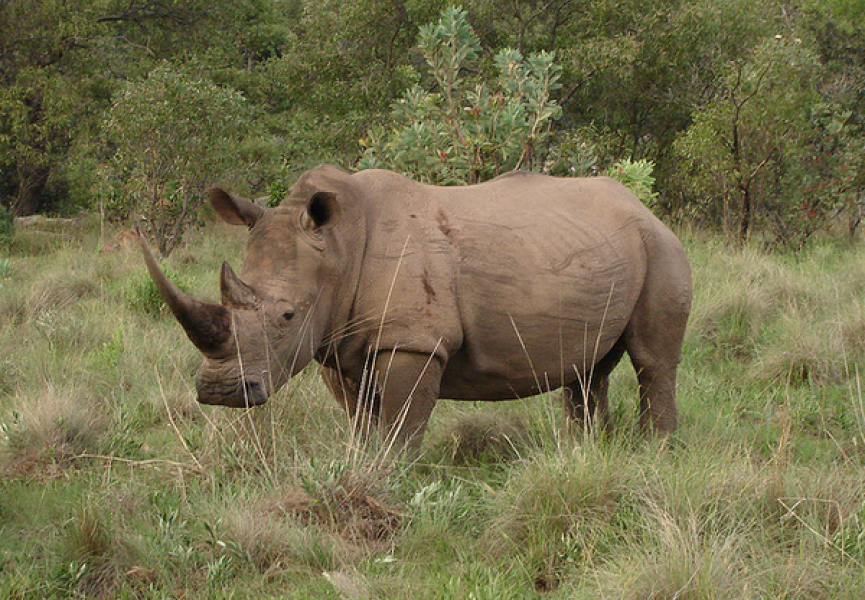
(343, 325)
(345, 245)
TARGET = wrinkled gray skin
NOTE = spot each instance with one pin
(406, 293)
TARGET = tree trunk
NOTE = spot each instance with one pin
(855, 216)
(30, 195)
(746, 214)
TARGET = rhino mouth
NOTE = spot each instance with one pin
(243, 394)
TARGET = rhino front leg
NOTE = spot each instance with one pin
(361, 403)
(409, 387)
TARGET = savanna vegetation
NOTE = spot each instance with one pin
(739, 122)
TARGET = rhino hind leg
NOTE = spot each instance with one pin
(654, 343)
(585, 399)
(658, 412)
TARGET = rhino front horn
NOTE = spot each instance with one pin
(208, 326)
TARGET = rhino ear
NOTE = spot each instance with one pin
(233, 209)
(322, 211)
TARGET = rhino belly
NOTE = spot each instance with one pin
(515, 362)
(531, 334)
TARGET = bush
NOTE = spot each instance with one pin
(174, 133)
(765, 153)
(636, 176)
(470, 129)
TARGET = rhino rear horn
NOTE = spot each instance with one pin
(235, 293)
(208, 326)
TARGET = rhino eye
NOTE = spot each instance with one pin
(288, 315)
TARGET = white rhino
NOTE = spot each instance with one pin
(406, 293)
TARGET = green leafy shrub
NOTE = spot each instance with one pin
(470, 129)
(636, 176)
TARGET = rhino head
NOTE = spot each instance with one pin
(273, 317)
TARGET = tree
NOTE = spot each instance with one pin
(340, 68)
(755, 148)
(37, 124)
(839, 30)
(628, 78)
(41, 104)
(468, 129)
(62, 60)
(632, 71)
(173, 133)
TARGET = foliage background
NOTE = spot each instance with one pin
(751, 113)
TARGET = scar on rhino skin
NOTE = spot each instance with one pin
(444, 223)
(428, 288)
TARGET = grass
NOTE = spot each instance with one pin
(115, 483)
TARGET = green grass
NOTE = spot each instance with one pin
(115, 483)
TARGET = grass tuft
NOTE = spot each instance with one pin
(47, 433)
(261, 535)
(731, 324)
(669, 558)
(60, 291)
(555, 511)
(90, 546)
(356, 504)
(478, 438)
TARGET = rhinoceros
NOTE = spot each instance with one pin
(405, 293)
